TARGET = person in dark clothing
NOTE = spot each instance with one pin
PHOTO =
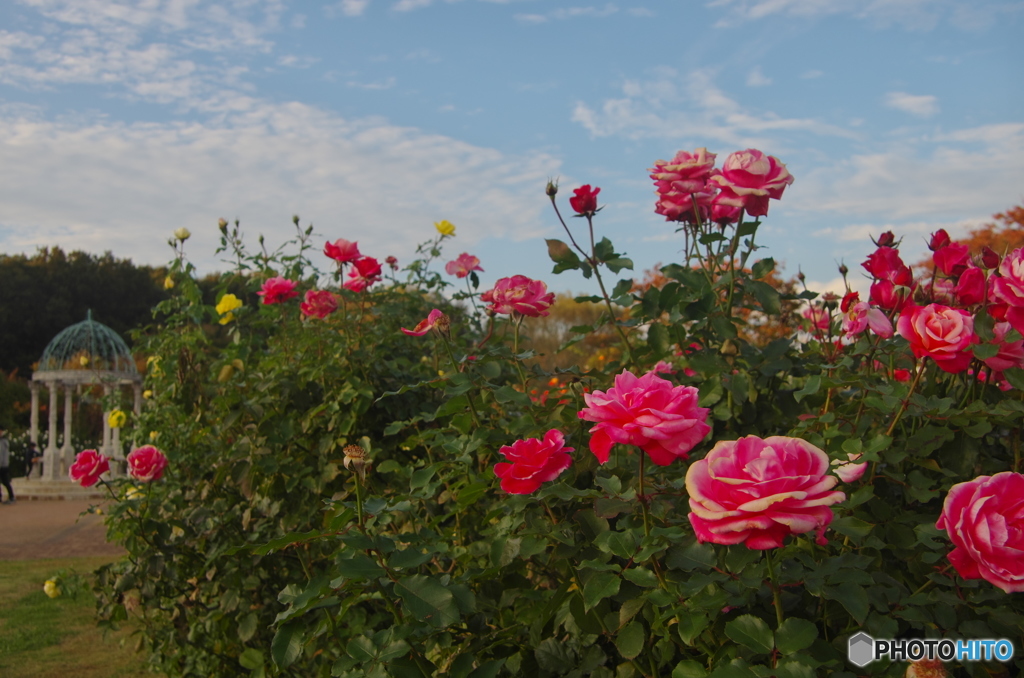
(5, 466)
(32, 457)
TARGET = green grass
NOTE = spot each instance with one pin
(42, 637)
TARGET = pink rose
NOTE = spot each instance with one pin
(278, 290)
(146, 463)
(1011, 353)
(749, 178)
(521, 295)
(861, 316)
(648, 412)
(675, 206)
(435, 319)
(849, 471)
(88, 467)
(885, 264)
(819, 317)
(533, 462)
(984, 518)
(463, 265)
(885, 294)
(758, 491)
(584, 200)
(1008, 287)
(342, 251)
(901, 375)
(941, 333)
(686, 173)
(319, 304)
(365, 271)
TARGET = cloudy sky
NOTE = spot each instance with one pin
(122, 120)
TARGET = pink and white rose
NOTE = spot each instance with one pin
(521, 295)
(749, 178)
(941, 333)
(146, 463)
(89, 465)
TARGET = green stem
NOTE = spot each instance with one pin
(775, 587)
(455, 366)
(516, 321)
(906, 401)
(643, 498)
(359, 499)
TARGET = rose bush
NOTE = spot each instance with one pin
(343, 499)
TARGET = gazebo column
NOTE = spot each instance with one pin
(118, 454)
(105, 448)
(34, 470)
(51, 459)
(137, 392)
(68, 451)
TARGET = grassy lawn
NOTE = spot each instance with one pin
(42, 637)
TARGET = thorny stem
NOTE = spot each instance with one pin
(517, 321)
(906, 401)
(643, 498)
(455, 366)
(775, 587)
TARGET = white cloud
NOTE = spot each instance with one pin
(126, 187)
(385, 84)
(354, 7)
(922, 105)
(573, 13)
(689, 107)
(811, 74)
(757, 78)
(909, 14)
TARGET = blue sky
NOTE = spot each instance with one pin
(122, 121)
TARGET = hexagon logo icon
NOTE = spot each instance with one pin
(861, 649)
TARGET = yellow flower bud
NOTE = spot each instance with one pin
(147, 394)
(51, 588)
(226, 373)
(445, 227)
(84, 361)
(182, 234)
(153, 435)
(168, 283)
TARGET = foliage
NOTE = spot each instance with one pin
(330, 507)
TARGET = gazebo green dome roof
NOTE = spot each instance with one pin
(88, 345)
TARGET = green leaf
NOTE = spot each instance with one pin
(851, 527)
(246, 630)
(360, 566)
(600, 586)
(1015, 376)
(616, 264)
(737, 668)
(766, 295)
(658, 339)
(361, 649)
(792, 669)
(287, 644)
(604, 250)
(689, 669)
(751, 632)
(810, 388)
(507, 394)
(853, 597)
(394, 650)
(609, 507)
(692, 556)
(560, 253)
(691, 625)
(251, 658)
(428, 600)
(794, 635)
(641, 576)
(630, 641)
(762, 268)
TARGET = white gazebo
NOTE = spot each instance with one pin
(85, 354)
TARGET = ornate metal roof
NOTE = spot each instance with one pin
(91, 346)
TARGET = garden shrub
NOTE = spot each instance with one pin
(345, 498)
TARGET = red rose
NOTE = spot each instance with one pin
(532, 462)
(970, 288)
(365, 271)
(88, 467)
(939, 240)
(584, 200)
(278, 290)
(342, 251)
(146, 463)
(952, 259)
(319, 304)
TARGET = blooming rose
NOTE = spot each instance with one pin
(445, 227)
(182, 234)
(319, 304)
(749, 178)
(365, 271)
(533, 461)
(885, 264)
(861, 316)
(435, 320)
(278, 290)
(984, 518)
(686, 173)
(146, 463)
(521, 295)
(1008, 287)
(1011, 353)
(820, 318)
(689, 207)
(88, 467)
(226, 305)
(117, 419)
(342, 251)
(463, 265)
(51, 588)
(648, 412)
(941, 333)
(758, 491)
(584, 200)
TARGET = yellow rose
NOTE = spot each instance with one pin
(117, 419)
(153, 435)
(84, 361)
(177, 531)
(182, 234)
(147, 394)
(51, 589)
(168, 283)
(134, 493)
(445, 227)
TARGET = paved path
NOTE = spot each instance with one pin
(52, 529)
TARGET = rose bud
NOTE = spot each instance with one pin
(989, 258)
(939, 240)
(885, 240)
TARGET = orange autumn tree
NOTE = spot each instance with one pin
(1003, 234)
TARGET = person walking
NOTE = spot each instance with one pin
(5, 466)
